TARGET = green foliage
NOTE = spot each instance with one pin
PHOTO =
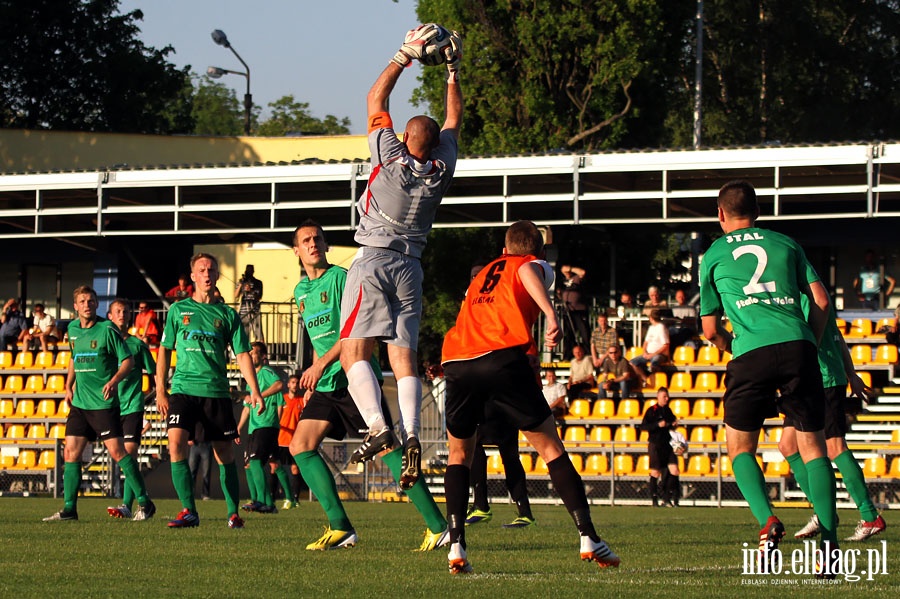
(216, 109)
(292, 117)
(79, 65)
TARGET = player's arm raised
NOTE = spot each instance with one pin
(534, 285)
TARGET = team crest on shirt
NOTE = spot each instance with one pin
(324, 297)
(217, 323)
(93, 344)
(186, 319)
(302, 305)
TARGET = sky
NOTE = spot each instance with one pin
(326, 54)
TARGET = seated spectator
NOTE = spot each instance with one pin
(43, 329)
(656, 348)
(581, 374)
(615, 373)
(556, 395)
(654, 301)
(627, 308)
(182, 290)
(147, 324)
(602, 338)
(12, 324)
(684, 329)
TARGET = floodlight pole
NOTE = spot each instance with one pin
(221, 39)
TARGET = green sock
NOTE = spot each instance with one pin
(134, 478)
(822, 495)
(184, 484)
(263, 495)
(128, 494)
(855, 481)
(320, 480)
(251, 483)
(228, 476)
(71, 483)
(284, 481)
(752, 484)
(419, 494)
(800, 473)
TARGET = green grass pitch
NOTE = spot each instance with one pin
(684, 552)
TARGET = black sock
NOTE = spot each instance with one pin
(674, 488)
(478, 479)
(570, 488)
(654, 490)
(456, 489)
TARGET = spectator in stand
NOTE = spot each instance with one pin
(615, 373)
(870, 282)
(182, 290)
(654, 301)
(250, 291)
(44, 330)
(602, 339)
(627, 308)
(581, 374)
(572, 298)
(556, 395)
(656, 348)
(12, 325)
(892, 331)
(147, 325)
(684, 330)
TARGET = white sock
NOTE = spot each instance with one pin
(366, 394)
(409, 396)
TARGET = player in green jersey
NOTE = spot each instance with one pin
(330, 411)
(131, 395)
(263, 430)
(100, 361)
(200, 329)
(756, 277)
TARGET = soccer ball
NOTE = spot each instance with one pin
(433, 50)
(547, 274)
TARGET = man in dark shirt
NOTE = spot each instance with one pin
(658, 421)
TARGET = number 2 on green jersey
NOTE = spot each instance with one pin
(762, 259)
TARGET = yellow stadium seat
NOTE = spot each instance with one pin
(720, 435)
(626, 434)
(774, 434)
(13, 383)
(706, 382)
(603, 408)
(37, 431)
(575, 434)
(681, 408)
(623, 464)
(7, 461)
(723, 466)
(24, 408)
(63, 409)
(633, 352)
(24, 359)
(683, 356)
(885, 354)
(7, 408)
(577, 461)
(894, 472)
(704, 408)
(34, 384)
(6, 359)
(644, 436)
(698, 465)
(861, 354)
(596, 464)
(875, 467)
(27, 460)
(47, 461)
(708, 355)
(145, 383)
(579, 408)
(884, 323)
(15, 431)
(526, 461)
(173, 360)
(56, 383)
(841, 324)
(895, 435)
(62, 359)
(540, 466)
(46, 408)
(859, 328)
(57, 431)
(628, 408)
(43, 359)
(779, 468)
(701, 434)
(680, 383)
(655, 381)
(494, 464)
(600, 434)
(642, 467)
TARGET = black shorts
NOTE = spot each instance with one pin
(495, 430)
(206, 418)
(264, 444)
(755, 379)
(661, 455)
(132, 425)
(94, 424)
(836, 425)
(337, 408)
(503, 380)
(285, 457)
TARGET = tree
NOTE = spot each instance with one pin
(216, 109)
(290, 116)
(78, 64)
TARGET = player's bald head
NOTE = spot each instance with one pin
(422, 132)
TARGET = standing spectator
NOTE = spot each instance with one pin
(294, 402)
(250, 292)
(147, 324)
(684, 329)
(44, 330)
(658, 421)
(12, 325)
(602, 339)
(556, 395)
(577, 330)
(656, 348)
(654, 301)
(870, 281)
(581, 373)
(626, 309)
(615, 373)
(182, 290)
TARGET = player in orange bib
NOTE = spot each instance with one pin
(486, 361)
